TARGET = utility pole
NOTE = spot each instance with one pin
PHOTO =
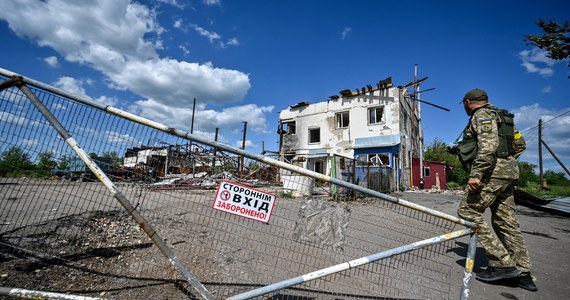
(420, 136)
(193, 111)
(542, 185)
(243, 148)
(556, 158)
(214, 154)
(190, 144)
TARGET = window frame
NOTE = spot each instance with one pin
(375, 108)
(373, 158)
(427, 171)
(339, 118)
(313, 129)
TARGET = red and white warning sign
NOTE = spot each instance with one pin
(244, 201)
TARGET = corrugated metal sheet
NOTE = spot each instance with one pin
(562, 204)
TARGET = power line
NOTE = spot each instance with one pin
(555, 117)
(531, 138)
(560, 115)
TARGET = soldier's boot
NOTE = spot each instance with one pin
(526, 282)
(493, 274)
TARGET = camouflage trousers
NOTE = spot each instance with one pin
(505, 248)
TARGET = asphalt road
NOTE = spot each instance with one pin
(547, 236)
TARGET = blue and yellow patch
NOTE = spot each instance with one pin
(486, 121)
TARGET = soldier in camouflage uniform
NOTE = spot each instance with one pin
(491, 185)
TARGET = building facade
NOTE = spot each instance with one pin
(372, 133)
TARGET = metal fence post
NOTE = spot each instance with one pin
(469, 262)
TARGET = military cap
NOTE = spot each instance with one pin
(476, 95)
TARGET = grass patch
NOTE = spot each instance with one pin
(553, 191)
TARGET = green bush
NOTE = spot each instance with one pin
(454, 185)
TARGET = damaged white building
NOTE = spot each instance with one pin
(370, 134)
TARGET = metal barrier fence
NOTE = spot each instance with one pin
(157, 213)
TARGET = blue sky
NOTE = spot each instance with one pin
(248, 60)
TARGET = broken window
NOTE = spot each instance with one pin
(314, 135)
(289, 127)
(289, 158)
(376, 115)
(373, 160)
(342, 119)
(427, 172)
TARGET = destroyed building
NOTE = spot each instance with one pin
(369, 136)
(177, 160)
(163, 161)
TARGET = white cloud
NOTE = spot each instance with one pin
(11, 118)
(52, 61)
(555, 133)
(215, 38)
(7, 117)
(536, 61)
(111, 101)
(248, 144)
(229, 120)
(119, 38)
(58, 106)
(174, 3)
(179, 24)
(211, 36)
(177, 83)
(115, 137)
(75, 86)
(345, 32)
(232, 42)
(72, 85)
(547, 89)
(184, 50)
(30, 142)
(18, 100)
(211, 2)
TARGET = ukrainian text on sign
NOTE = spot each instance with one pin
(244, 201)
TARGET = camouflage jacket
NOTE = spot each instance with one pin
(483, 127)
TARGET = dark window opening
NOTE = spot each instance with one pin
(289, 128)
(314, 135)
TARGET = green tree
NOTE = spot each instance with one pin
(114, 159)
(555, 178)
(63, 162)
(15, 162)
(556, 39)
(437, 152)
(527, 174)
(46, 163)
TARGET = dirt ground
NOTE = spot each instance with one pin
(85, 262)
